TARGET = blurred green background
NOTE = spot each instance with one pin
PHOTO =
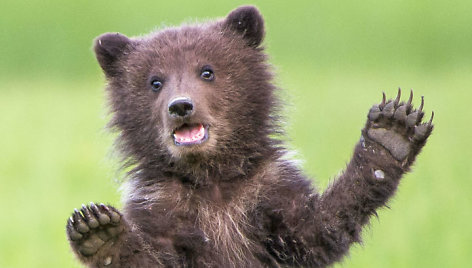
(333, 58)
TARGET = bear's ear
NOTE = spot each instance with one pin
(109, 48)
(247, 21)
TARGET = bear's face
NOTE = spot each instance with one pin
(191, 90)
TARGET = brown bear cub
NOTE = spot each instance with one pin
(210, 186)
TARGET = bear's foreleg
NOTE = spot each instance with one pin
(317, 230)
(392, 138)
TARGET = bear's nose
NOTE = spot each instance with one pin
(180, 107)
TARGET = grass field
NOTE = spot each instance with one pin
(56, 153)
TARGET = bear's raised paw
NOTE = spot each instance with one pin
(92, 227)
(397, 127)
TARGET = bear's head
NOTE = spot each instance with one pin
(191, 92)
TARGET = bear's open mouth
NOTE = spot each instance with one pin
(190, 134)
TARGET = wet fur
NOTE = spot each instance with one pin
(233, 201)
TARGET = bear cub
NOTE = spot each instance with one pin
(209, 184)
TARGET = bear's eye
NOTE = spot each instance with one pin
(156, 84)
(207, 73)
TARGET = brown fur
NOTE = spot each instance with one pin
(232, 200)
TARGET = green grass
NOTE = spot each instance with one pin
(333, 59)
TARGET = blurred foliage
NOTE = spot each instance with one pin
(332, 58)
(54, 37)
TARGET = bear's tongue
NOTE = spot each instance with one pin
(189, 133)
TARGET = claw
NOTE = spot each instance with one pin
(397, 100)
(384, 99)
(94, 208)
(408, 103)
(402, 111)
(430, 122)
(422, 104)
(102, 217)
(420, 111)
(91, 221)
(79, 222)
(114, 216)
(410, 99)
(84, 210)
(104, 207)
(415, 117)
(77, 216)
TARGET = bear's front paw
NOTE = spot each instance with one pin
(398, 128)
(92, 227)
